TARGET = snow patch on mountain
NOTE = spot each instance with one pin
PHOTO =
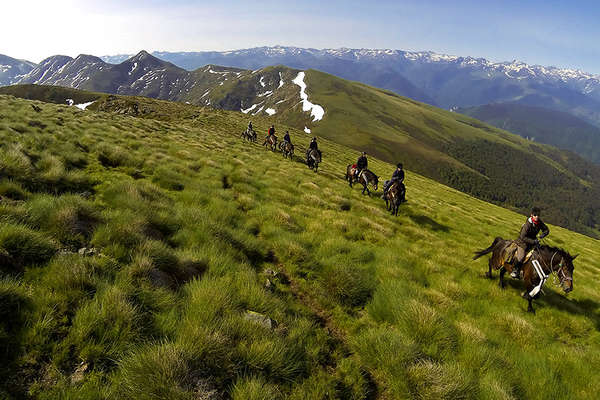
(280, 81)
(316, 111)
(247, 110)
(135, 64)
(306, 129)
(83, 106)
(270, 111)
(262, 82)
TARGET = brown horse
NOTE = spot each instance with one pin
(351, 175)
(366, 178)
(395, 197)
(544, 260)
(287, 149)
(271, 141)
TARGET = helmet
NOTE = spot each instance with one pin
(399, 165)
(364, 153)
(535, 211)
(314, 138)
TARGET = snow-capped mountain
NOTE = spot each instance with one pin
(11, 69)
(444, 80)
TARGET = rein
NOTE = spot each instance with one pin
(562, 277)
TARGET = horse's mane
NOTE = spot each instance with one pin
(551, 249)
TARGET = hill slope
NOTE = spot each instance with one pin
(542, 125)
(196, 242)
(454, 149)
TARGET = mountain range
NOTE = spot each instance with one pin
(443, 80)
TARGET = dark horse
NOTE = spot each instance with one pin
(365, 178)
(313, 158)
(271, 141)
(543, 261)
(249, 134)
(394, 197)
(287, 149)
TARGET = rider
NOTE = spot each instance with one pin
(528, 239)
(312, 146)
(397, 176)
(361, 164)
(272, 132)
(286, 137)
(249, 127)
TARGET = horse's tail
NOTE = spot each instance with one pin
(488, 250)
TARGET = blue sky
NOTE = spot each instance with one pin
(559, 33)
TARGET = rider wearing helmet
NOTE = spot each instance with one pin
(286, 137)
(528, 239)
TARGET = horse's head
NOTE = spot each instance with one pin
(376, 182)
(565, 271)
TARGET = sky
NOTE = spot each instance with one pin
(546, 32)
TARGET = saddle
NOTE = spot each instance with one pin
(511, 249)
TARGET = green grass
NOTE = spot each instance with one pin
(362, 305)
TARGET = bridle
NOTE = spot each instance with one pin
(559, 271)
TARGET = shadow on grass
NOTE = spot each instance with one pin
(554, 298)
(425, 221)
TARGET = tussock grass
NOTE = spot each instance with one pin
(20, 246)
(281, 283)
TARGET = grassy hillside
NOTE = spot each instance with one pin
(542, 125)
(454, 149)
(215, 269)
(459, 151)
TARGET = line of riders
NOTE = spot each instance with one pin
(394, 190)
(313, 153)
(521, 257)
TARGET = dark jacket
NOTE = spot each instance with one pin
(287, 138)
(529, 232)
(398, 175)
(271, 131)
(313, 145)
(250, 125)
(362, 162)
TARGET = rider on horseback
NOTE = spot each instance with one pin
(361, 164)
(286, 137)
(528, 239)
(249, 129)
(271, 132)
(312, 146)
(397, 176)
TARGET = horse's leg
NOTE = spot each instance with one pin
(501, 281)
(489, 273)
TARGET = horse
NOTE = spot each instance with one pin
(313, 158)
(249, 134)
(350, 175)
(271, 141)
(394, 197)
(287, 149)
(366, 178)
(538, 266)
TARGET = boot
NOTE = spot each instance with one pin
(516, 272)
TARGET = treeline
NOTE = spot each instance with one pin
(511, 177)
